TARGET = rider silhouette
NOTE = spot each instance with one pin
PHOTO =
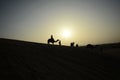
(52, 38)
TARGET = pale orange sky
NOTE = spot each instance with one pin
(87, 21)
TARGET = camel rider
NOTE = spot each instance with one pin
(52, 38)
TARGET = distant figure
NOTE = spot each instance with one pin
(72, 44)
(76, 45)
(90, 46)
(51, 40)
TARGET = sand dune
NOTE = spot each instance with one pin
(20, 60)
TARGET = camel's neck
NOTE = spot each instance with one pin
(56, 40)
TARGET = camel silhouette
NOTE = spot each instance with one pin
(51, 40)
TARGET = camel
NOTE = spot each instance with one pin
(51, 40)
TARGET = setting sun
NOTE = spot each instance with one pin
(66, 33)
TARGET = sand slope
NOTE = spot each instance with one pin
(20, 60)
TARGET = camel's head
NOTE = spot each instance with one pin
(58, 40)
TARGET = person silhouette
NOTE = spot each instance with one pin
(72, 44)
(76, 45)
(52, 38)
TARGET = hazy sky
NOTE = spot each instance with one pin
(89, 21)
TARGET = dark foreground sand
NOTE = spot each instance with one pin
(32, 61)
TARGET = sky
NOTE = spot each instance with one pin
(79, 21)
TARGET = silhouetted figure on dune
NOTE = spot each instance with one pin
(52, 40)
(72, 44)
(90, 46)
(77, 45)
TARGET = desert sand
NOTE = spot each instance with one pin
(22, 60)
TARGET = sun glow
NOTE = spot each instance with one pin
(66, 33)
